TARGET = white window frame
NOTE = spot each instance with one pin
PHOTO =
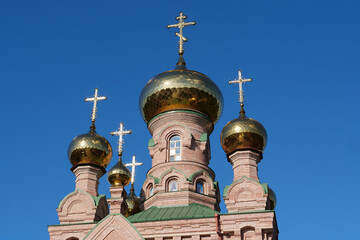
(175, 148)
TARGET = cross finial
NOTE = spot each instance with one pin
(94, 99)
(133, 164)
(240, 80)
(121, 132)
(181, 24)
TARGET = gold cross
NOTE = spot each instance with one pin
(181, 25)
(133, 164)
(121, 132)
(95, 99)
(240, 81)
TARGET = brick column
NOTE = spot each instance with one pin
(87, 178)
(117, 201)
(245, 164)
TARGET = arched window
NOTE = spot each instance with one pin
(248, 233)
(173, 185)
(175, 152)
(150, 190)
(200, 187)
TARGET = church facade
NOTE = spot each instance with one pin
(180, 197)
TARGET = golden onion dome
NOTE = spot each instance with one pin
(119, 175)
(181, 89)
(90, 148)
(272, 198)
(133, 202)
(243, 133)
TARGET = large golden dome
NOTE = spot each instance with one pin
(181, 89)
(119, 175)
(90, 148)
(243, 133)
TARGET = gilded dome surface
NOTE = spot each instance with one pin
(243, 133)
(119, 175)
(181, 89)
(273, 200)
(133, 202)
(90, 148)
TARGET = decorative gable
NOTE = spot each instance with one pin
(80, 206)
(114, 227)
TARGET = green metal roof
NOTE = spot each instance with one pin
(156, 179)
(191, 211)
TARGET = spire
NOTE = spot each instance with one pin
(181, 65)
(132, 190)
(181, 24)
(94, 99)
(121, 133)
(240, 81)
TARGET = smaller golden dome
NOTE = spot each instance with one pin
(119, 175)
(273, 200)
(243, 133)
(133, 202)
(90, 148)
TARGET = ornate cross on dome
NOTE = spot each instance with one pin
(121, 132)
(94, 99)
(133, 164)
(181, 25)
(240, 81)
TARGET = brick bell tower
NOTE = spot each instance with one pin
(243, 140)
(89, 155)
(180, 108)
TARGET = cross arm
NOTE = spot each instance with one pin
(133, 164)
(189, 23)
(247, 80)
(172, 25)
(234, 81)
(182, 37)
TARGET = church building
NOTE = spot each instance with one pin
(180, 197)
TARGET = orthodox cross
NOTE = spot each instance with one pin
(240, 81)
(181, 25)
(133, 164)
(121, 132)
(94, 99)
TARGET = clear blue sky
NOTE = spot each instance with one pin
(302, 55)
